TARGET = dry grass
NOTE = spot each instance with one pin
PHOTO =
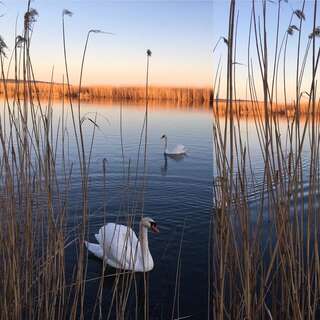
(264, 252)
(201, 96)
(263, 259)
(35, 182)
(174, 97)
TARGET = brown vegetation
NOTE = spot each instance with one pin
(263, 249)
(165, 95)
(173, 94)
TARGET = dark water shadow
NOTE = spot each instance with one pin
(176, 157)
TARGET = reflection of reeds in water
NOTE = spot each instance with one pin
(264, 255)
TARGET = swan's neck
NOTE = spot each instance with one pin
(165, 144)
(143, 235)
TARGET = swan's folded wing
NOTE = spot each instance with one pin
(180, 148)
(95, 249)
(119, 243)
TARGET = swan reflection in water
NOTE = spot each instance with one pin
(176, 157)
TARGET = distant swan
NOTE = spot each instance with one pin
(120, 247)
(179, 149)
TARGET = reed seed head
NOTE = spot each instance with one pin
(99, 31)
(95, 31)
(315, 33)
(290, 31)
(149, 53)
(30, 18)
(294, 27)
(300, 14)
(3, 46)
(67, 12)
(225, 40)
(19, 40)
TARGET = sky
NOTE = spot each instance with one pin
(180, 34)
(243, 12)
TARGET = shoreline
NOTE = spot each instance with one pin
(177, 96)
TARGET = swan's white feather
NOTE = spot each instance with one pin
(178, 149)
(120, 247)
(120, 243)
(95, 249)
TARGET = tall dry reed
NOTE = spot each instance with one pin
(264, 253)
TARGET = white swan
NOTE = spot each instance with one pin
(120, 247)
(179, 149)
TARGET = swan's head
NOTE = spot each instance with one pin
(164, 136)
(150, 224)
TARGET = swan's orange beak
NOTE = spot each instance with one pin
(154, 229)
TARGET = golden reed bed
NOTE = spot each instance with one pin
(200, 97)
(175, 94)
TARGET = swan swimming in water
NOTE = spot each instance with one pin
(178, 150)
(119, 246)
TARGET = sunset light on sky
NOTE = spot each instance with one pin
(181, 35)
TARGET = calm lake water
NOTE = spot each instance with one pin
(176, 193)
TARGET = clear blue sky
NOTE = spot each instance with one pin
(181, 35)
